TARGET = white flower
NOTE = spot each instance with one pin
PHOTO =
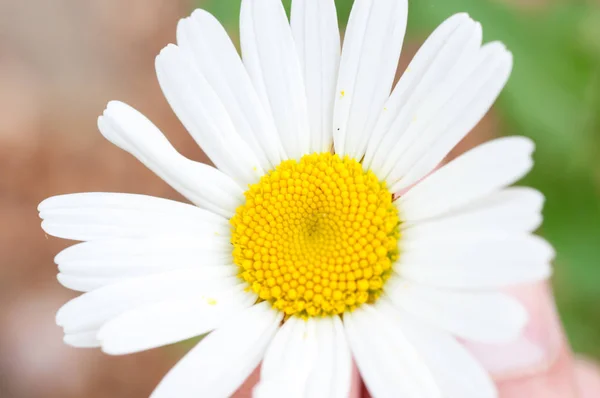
(294, 253)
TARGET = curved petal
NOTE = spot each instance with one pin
(333, 373)
(486, 317)
(85, 283)
(444, 59)
(514, 210)
(203, 185)
(456, 37)
(102, 215)
(270, 56)
(317, 37)
(457, 372)
(221, 362)
(370, 54)
(290, 357)
(471, 176)
(168, 322)
(87, 279)
(122, 258)
(203, 114)
(520, 355)
(476, 263)
(91, 310)
(82, 340)
(215, 56)
(389, 365)
(455, 109)
(308, 358)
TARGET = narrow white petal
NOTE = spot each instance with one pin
(203, 185)
(215, 56)
(370, 54)
(102, 215)
(479, 316)
(332, 374)
(221, 362)
(472, 276)
(91, 310)
(499, 359)
(270, 56)
(110, 200)
(457, 108)
(473, 175)
(88, 276)
(389, 365)
(515, 210)
(82, 340)
(85, 283)
(168, 322)
(478, 263)
(317, 37)
(307, 358)
(203, 114)
(457, 372)
(290, 357)
(121, 258)
(276, 389)
(422, 75)
(444, 58)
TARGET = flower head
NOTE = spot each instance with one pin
(325, 232)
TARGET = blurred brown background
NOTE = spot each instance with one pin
(62, 60)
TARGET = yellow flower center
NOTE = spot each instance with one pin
(316, 237)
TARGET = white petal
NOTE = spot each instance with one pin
(270, 56)
(440, 67)
(456, 38)
(88, 276)
(203, 185)
(515, 209)
(91, 310)
(317, 37)
(473, 175)
(215, 56)
(121, 258)
(457, 372)
(489, 262)
(504, 359)
(332, 374)
(100, 215)
(85, 283)
(308, 358)
(82, 340)
(275, 389)
(389, 365)
(168, 322)
(221, 362)
(203, 114)
(479, 316)
(126, 201)
(370, 53)
(449, 115)
(290, 357)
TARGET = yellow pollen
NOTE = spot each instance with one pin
(316, 237)
(211, 301)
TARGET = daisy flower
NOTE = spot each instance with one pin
(326, 231)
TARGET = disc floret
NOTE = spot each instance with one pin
(316, 237)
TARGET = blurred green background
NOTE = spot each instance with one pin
(553, 97)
